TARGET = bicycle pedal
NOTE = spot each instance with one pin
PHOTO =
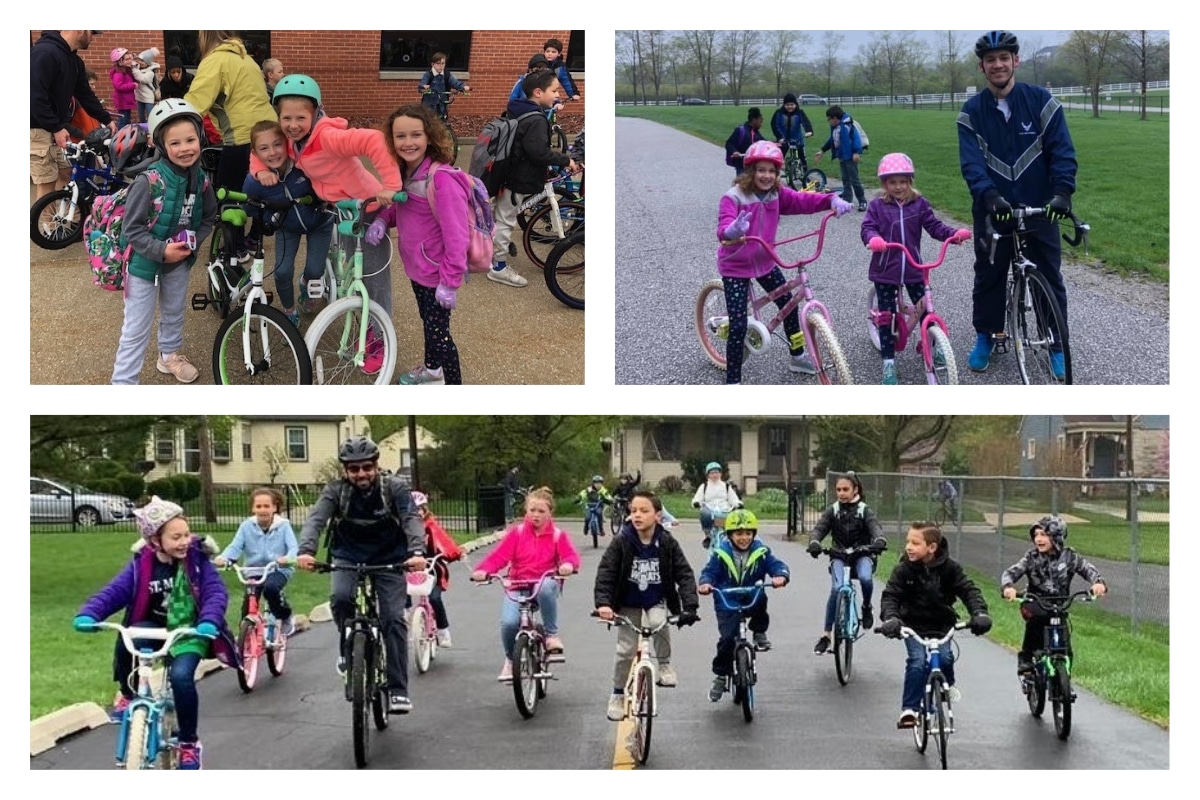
(200, 301)
(556, 658)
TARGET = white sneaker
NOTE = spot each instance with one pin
(443, 637)
(802, 363)
(507, 275)
(505, 671)
(954, 694)
(616, 707)
(667, 676)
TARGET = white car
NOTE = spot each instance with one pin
(812, 100)
(52, 501)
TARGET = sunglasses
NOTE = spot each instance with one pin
(355, 469)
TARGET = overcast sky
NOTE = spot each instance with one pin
(855, 39)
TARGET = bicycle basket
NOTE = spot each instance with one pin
(420, 584)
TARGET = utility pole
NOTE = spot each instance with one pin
(1131, 488)
(415, 481)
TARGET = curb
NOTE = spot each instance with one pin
(46, 731)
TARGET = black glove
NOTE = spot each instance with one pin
(980, 624)
(1058, 208)
(687, 618)
(695, 505)
(814, 548)
(997, 206)
(891, 628)
(879, 545)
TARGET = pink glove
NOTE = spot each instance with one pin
(961, 235)
(739, 227)
(376, 232)
(877, 244)
(841, 206)
(445, 296)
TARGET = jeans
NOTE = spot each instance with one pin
(728, 624)
(863, 569)
(287, 246)
(510, 615)
(627, 640)
(851, 186)
(391, 590)
(595, 515)
(182, 676)
(272, 592)
(915, 672)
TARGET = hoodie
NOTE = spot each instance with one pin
(257, 548)
(531, 151)
(229, 85)
(922, 595)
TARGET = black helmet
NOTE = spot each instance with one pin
(1054, 527)
(996, 40)
(358, 448)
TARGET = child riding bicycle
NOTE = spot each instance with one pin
(791, 126)
(263, 538)
(438, 542)
(716, 491)
(593, 498)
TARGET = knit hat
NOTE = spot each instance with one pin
(154, 515)
(789, 98)
(149, 55)
(174, 62)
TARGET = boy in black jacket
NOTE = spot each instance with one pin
(920, 595)
(644, 575)
(532, 155)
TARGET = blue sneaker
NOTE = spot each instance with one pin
(889, 372)
(1058, 365)
(982, 353)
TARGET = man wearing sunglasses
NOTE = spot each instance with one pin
(371, 520)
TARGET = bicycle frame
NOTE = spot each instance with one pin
(641, 685)
(253, 578)
(424, 636)
(852, 629)
(744, 676)
(531, 675)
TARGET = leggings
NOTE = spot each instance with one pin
(885, 297)
(737, 293)
(440, 350)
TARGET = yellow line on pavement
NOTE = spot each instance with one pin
(622, 758)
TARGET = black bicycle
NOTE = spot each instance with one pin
(617, 514)
(1051, 674)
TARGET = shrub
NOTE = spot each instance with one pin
(671, 484)
(772, 500)
(163, 487)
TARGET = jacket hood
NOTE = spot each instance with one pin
(207, 545)
(521, 106)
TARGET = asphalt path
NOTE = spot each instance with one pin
(670, 183)
(465, 720)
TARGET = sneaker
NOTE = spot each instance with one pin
(1058, 366)
(667, 676)
(512, 249)
(399, 704)
(177, 364)
(506, 275)
(822, 646)
(761, 642)
(341, 666)
(954, 694)
(1024, 665)
(189, 755)
(423, 376)
(553, 644)
(717, 689)
(862, 206)
(889, 372)
(802, 362)
(373, 359)
(981, 354)
(293, 316)
(908, 719)
(706, 542)
(616, 707)
(868, 619)
(505, 671)
(118, 709)
(287, 627)
(443, 637)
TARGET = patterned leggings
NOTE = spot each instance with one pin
(737, 295)
(885, 297)
(440, 350)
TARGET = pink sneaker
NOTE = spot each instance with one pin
(118, 709)
(373, 360)
(553, 644)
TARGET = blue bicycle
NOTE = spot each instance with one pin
(593, 522)
(744, 677)
(713, 537)
(847, 617)
(56, 218)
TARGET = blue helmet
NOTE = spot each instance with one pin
(711, 466)
(996, 40)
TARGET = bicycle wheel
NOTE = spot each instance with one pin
(540, 236)
(564, 271)
(872, 328)
(791, 172)
(277, 651)
(219, 295)
(137, 733)
(54, 223)
(1037, 330)
(332, 340)
(453, 141)
(524, 669)
(815, 179)
(250, 650)
(558, 139)
(827, 354)
(940, 516)
(1061, 701)
(941, 718)
(1035, 691)
(615, 518)
(744, 663)
(712, 322)
(643, 713)
(843, 641)
(277, 353)
(594, 526)
(380, 702)
(921, 730)
(421, 649)
(946, 373)
(360, 695)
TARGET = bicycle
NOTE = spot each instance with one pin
(531, 661)
(796, 171)
(56, 218)
(1034, 323)
(564, 271)
(593, 521)
(337, 336)
(744, 677)
(422, 621)
(443, 113)
(816, 323)
(259, 346)
(719, 509)
(847, 615)
(558, 139)
(617, 514)
(946, 512)
(934, 336)
(550, 223)
(260, 634)
(148, 737)
(1051, 675)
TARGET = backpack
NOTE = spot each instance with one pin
(862, 135)
(343, 510)
(491, 160)
(108, 252)
(480, 224)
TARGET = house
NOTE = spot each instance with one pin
(1098, 442)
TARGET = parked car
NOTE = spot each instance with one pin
(813, 100)
(52, 501)
(693, 101)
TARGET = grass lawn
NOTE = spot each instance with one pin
(1129, 219)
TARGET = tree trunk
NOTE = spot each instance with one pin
(204, 434)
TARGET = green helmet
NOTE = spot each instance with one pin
(297, 86)
(741, 520)
(711, 466)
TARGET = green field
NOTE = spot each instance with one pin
(1129, 218)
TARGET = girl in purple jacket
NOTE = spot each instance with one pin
(169, 583)
(897, 215)
(752, 208)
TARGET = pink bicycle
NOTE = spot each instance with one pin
(816, 324)
(422, 622)
(934, 343)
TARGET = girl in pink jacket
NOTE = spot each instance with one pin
(328, 151)
(433, 248)
(124, 85)
(752, 208)
(531, 548)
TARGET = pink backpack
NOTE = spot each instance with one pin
(480, 225)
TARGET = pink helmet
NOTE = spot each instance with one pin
(117, 54)
(764, 151)
(895, 164)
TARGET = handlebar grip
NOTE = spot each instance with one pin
(230, 194)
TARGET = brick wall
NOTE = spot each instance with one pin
(346, 65)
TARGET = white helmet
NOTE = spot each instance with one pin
(169, 109)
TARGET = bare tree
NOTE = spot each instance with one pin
(783, 46)
(738, 51)
(1092, 51)
(702, 45)
(1138, 52)
(653, 43)
(1033, 61)
(830, 58)
(949, 62)
(888, 54)
(627, 59)
(913, 67)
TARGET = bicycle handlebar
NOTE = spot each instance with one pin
(167, 637)
(360, 569)
(771, 247)
(268, 205)
(254, 576)
(1056, 604)
(913, 262)
(1021, 213)
(620, 620)
(861, 548)
(512, 587)
(754, 592)
(931, 642)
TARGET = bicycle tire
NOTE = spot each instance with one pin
(168, 737)
(827, 355)
(872, 328)
(360, 696)
(712, 322)
(940, 517)
(137, 736)
(1062, 701)
(558, 139)
(52, 225)
(539, 237)
(643, 713)
(1034, 359)
(289, 363)
(921, 730)
(380, 702)
(524, 669)
(791, 172)
(615, 518)
(453, 140)
(745, 676)
(843, 643)
(564, 271)
(947, 373)
(421, 650)
(1036, 694)
(333, 365)
(277, 651)
(941, 717)
(249, 649)
(816, 179)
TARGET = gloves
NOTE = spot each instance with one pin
(877, 244)
(1058, 208)
(209, 630)
(695, 505)
(814, 548)
(688, 618)
(997, 206)
(739, 227)
(840, 206)
(879, 545)
(891, 628)
(445, 296)
(85, 624)
(376, 232)
(980, 624)
(961, 235)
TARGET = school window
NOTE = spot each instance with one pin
(186, 45)
(164, 445)
(191, 451)
(247, 444)
(574, 55)
(411, 50)
(297, 443)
